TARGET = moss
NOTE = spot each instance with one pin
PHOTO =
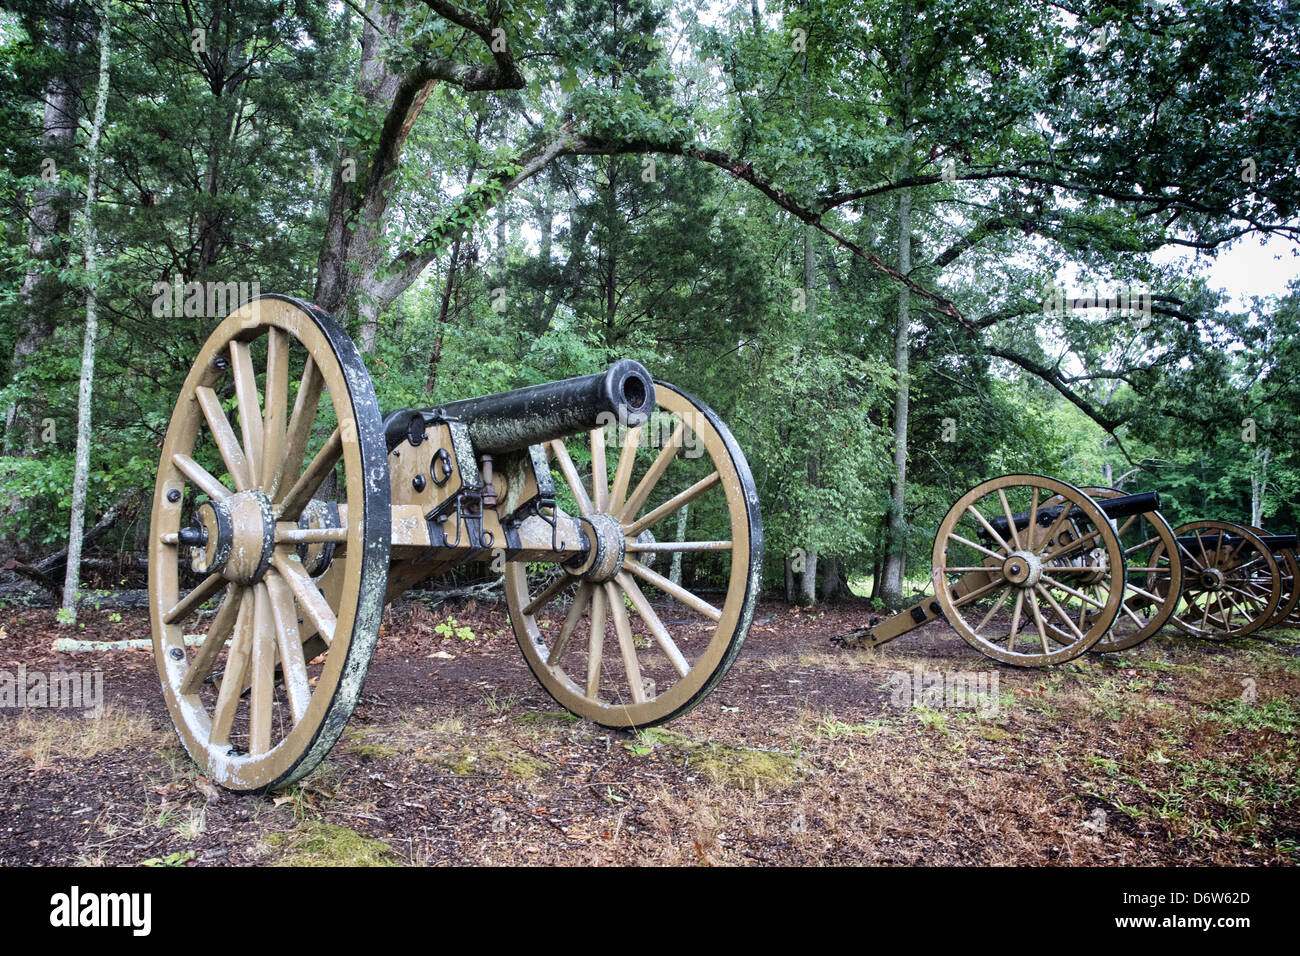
(489, 758)
(742, 767)
(547, 717)
(992, 732)
(316, 843)
(368, 744)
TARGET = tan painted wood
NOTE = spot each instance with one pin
(293, 662)
(232, 680)
(277, 406)
(321, 465)
(224, 437)
(626, 643)
(262, 695)
(223, 624)
(204, 481)
(247, 404)
(623, 471)
(312, 602)
(298, 431)
(651, 477)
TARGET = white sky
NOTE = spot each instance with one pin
(1248, 268)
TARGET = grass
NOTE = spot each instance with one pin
(316, 843)
(42, 739)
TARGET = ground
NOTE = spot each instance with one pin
(1180, 751)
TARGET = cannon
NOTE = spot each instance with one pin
(299, 511)
(1031, 571)
(1238, 580)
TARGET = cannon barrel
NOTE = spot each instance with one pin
(1121, 507)
(511, 421)
(1274, 542)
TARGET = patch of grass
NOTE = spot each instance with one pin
(741, 767)
(993, 732)
(317, 843)
(931, 719)
(42, 738)
(490, 758)
(370, 744)
(1277, 713)
(833, 729)
(547, 717)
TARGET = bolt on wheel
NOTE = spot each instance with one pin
(1023, 581)
(627, 634)
(261, 694)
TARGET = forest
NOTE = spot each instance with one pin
(899, 246)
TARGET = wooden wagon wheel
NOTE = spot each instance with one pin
(1021, 595)
(670, 643)
(1231, 582)
(1289, 571)
(235, 503)
(1153, 576)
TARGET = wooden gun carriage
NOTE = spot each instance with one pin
(300, 573)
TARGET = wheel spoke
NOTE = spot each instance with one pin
(314, 606)
(1038, 622)
(300, 494)
(576, 609)
(293, 664)
(651, 477)
(224, 437)
(626, 644)
(676, 590)
(623, 473)
(571, 477)
(192, 601)
(1011, 522)
(599, 471)
(223, 622)
(552, 589)
(250, 411)
(277, 405)
(635, 546)
(299, 430)
(657, 629)
(1070, 591)
(978, 547)
(201, 478)
(1057, 608)
(673, 505)
(262, 692)
(1002, 597)
(596, 643)
(1015, 620)
(232, 680)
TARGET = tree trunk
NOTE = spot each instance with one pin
(892, 583)
(81, 472)
(675, 569)
(789, 580)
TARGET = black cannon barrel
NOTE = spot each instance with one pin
(1122, 507)
(509, 421)
(1274, 542)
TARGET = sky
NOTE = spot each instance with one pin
(1248, 268)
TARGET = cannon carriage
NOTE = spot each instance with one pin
(302, 511)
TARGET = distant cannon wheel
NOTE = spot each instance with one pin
(265, 688)
(614, 635)
(1289, 570)
(1153, 570)
(1035, 595)
(1231, 581)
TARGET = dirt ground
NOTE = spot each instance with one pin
(1177, 752)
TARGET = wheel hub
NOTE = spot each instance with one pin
(1212, 579)
(234, 537)
(607, 547)
(1022, 569)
